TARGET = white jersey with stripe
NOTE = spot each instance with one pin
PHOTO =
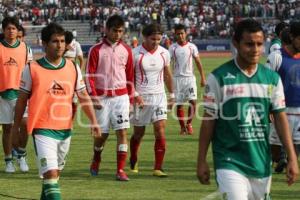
(149, 69)
(183, 55)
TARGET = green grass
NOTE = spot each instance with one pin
(180, 163)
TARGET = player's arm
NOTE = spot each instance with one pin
(282, 128)
(81, 61)
(87, 107)
(20, 108)
(206, 134)
(79, 55)
(169, 84)
(200, 69)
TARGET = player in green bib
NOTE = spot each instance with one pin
(239, 97)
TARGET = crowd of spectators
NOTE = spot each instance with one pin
(204, 19)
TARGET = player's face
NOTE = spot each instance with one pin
(180, 36)
(20, 36)
(55, 48)
(296, 44)
(151, 42)
(10, 32)
(250, 48)
(114, 34)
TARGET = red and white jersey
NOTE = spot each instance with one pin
(183, 58)
(149, 69)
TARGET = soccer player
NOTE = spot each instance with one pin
(110, 83)
(239, 96)
(151, 62)
(183, 53)
(13, 58)
(74, 51)
(276, 42)
(286, 62)
(50, 82)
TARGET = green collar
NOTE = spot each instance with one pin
(46, 64)
(6, 44)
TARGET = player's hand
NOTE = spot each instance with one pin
(139, 101)
(292, 171)
(203, 173)
(96, 130)
(203, 82)
(171, 103)
(97, 103)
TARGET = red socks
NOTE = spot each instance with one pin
(159, 148)
(180, 116)
(191, 112)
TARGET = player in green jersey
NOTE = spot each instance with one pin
(239, 97)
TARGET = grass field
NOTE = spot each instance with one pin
(180, 163)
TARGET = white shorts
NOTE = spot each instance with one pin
(7, 111)
(114, 113)
(51, 153)
(155, 109)
(294, 124)
(185, 88)
(235, 186)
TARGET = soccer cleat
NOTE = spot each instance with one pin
(94, 168)
(134, 167)
(159, 173)
(9, 167)
(23, 164)
(182, 131)
(281, 165)
(121, 176)
(189, 129)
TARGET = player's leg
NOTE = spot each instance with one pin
(181, 118)
(135, 141)
(261, 188)
(7, 147)
(47, 159)
(232, 185)
(191, 95)
(191, 114)
(21, 149)
(103, 119)
(159, 147)
(120, 123)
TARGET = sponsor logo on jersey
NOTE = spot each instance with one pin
(11, 62)
(229, 76)
(235, 90)
(57, 89)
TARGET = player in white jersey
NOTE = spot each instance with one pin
(239, 97)
(183, 53)
(151, 62)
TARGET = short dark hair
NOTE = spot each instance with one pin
(179, 27)
(246, 25)
(21, 28)
(10, 20)
(152, 29)
(279, 27)
(115, 21)
(50, 29)
(285, 35)
(68, 37)
(295, 28)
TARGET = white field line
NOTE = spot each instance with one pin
(212, 196)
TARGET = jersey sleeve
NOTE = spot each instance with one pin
(168, 58)
(277, 98)
(80, 85)
(275, 47)
(78, 49)
(195, 51)
(212, 95)
(26, 81)
(274, 61)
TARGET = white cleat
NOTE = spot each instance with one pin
(23, 164)
(9, 168)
